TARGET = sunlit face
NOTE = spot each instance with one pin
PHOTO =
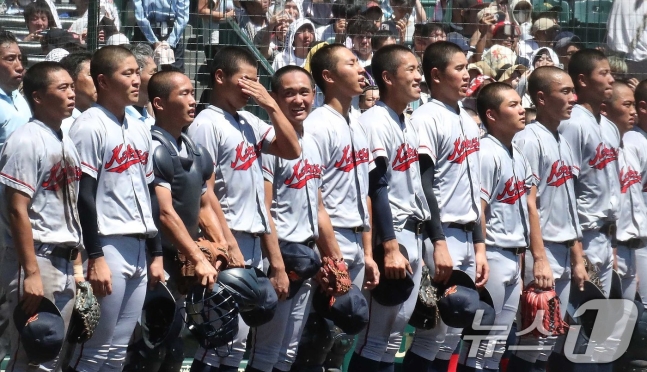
(58, 98)
(406, 81)
(11, 69)
(295, 96)
(179, 107)
(147, 72)
(348, 74)
(561, 97)
(235, 96)
(621, 110)
(37, 22)
(123, 85)
(369, 98)
(511, 116)
(455, 80)
(544, 59)
(86, 93)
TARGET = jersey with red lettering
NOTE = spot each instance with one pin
(506, 178)
(47, 168)
(235, 144)
(451, 139)
(632, 222)
(595, 150)
(395, 139)
(344, 153)
(295, 192)
(554, 170)
(636, 142)
(116, 154)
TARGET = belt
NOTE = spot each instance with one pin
(137, 236)
(356, 229)
(568, 243)
(467, 227)
(310, 243)
(414, 226)
(253, 235)
(609, 229)
(70, 254)
(516, 251)
(632, 243)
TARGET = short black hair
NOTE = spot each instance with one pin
(489, 98)
(324, 59)
(37, 78)
(230, 58)
(275, 82)
(427, 29)
(106, 61)
(641, 92)
(344, 10)
(583, 62)
(38, 7)
(72, 62)
(360, 26)
(386, 59)
(379, 38)
(160, 84)
(7, 37)
(540, 80)
(438, 55)
(614, 96)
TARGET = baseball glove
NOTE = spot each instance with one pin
(535, 303)
(187, 277)
(334, 275)
(85, 315)
(428, 297)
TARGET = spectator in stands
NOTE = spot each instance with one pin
(300, 35)
(108, 16)
(404, 18)
(627, 34)
(320, 11)
(253, 16)
(38, 18)
(544, 57)
(425, 34)
(269, 40)
(370, 95)
(54, 21)
(361, 31)
(382, 38)
(78, 66)
(335, 32)
(374, 13)
(57, 38)
(520, 14)
(566, 44)
(619, 67)
(211, 13)
(144, 56)
(163, 21)
(14, 110)
(544, 31)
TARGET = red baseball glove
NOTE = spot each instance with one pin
(333, 276)
(538, 303)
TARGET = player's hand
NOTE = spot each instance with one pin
(99, 276)
(256, 90)
(206, 273)
(395, 264)
(36, 36)
(443, 262)
(32, 292)
(579, 275)
(280, 282)
(371, 273)
(236, 258)
(542, 273)
(156, 272)
(482, 267)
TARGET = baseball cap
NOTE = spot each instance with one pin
(56, 55)
(458, 301)
(482, 67)
(159, 316)
(57, 38)
(499, 56)
(118, 39)
(506, 71)
(348, 311)
(372, 7)
(578, 298)
(543, 24)
(266, 308)
(41, 334)
(488, 316)
(391, 292)
(301, 263)
(460, 40)
(564, 38)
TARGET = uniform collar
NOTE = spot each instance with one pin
(496, 140)
(398, 118)
(111, 116)
(336, 113)
(437, 102)
(59, 136)
(224, 113)
(543, 127)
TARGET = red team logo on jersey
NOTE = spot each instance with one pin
(125, 159)
(603, 156)
(346, 163)
(512, 191)
(405, 156)
(559, 173)
(628, 178)
(60, 176)
(246, 154)
(462, 149)
(301, 173)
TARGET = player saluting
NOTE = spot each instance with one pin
(449, 162)
(235, 140)
(115, 204)
(554, 169)
(39, 174)
(398, 202)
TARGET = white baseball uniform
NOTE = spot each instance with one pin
(393, 138)
(597, 188)
(294, 210)
(344, 185)
(116, 154)
(235, 144)
(451, 139)
(45, 166)
(554, 169)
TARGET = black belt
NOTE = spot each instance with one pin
(632, 243)
(415, 226)
(137, 236)
(609, 229)
(356, 229)
(467, 227)
(568, 243)
(310, 243)
(70, 254)
(253, 235)
(516, 251)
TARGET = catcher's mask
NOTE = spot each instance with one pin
(242, 284)
(160, 319)
(264, 312)
(211, 316)
(391, 292)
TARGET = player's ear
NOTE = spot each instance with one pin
(327, 75)
(103, 81)
(37, 97)
(641, 107)
(541, 98)
(581, 81)
(157, 104)
(490, 114)
(386, 77)
(219, 76)
(435, 75)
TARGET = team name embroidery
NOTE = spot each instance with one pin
(301, 173)
(346, 163)
(462, 149)
(125, 159)
(451, 290)
(603, 156)
(629, 178)
(245, 156)
(512, 191)
(59, 176)
(560, 173)
(405, 156)
(32, 319)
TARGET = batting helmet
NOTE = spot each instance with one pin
(348, 311)
(301, 263)
(391, 292)
(265, 309)
(242, 283)
(212, 316)
(316, 341)
(160, 319)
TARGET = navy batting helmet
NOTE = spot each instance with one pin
(391, 292)
(212, 316)
(160, 319)
(242, 283)
(265, 309)
(301, 263)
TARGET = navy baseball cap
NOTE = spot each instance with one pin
(348, 311)
(458, 300)
(264, 312)
(578, 298)
(391, 292)
(41, 334)
(489, 314)
(301, 263)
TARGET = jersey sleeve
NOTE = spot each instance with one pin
(488, 176)
(88, 140)
(19, 165)
(428, 134)
(529, 148)
(148, 167)
(268, 162)
(264, 134)
(529, 178)
(204, 133)
(378, 137)
(572, 133)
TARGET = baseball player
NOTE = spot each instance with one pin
(508, 212)
(449, 162)
(620, 109)
(292, 192)
(115, 203)
(554, 170)
(78, 66)
(39, 183)
(398, 202)
(235, 140)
